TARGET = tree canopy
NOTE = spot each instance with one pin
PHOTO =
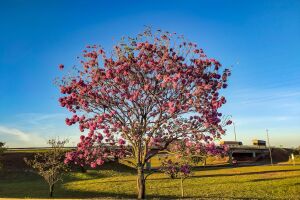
(151, 90)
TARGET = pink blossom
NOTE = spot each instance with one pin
(99, 161)
(82, 137)
(228, 122)
(121, 141)
(93, 165)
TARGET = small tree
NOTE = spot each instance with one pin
(2, 149)
(141, 94)
(174, 170)
(50, 164)
(187, 155)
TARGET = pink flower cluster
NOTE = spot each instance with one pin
(92, 151)
(175, 169)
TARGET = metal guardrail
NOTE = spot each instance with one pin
(247, 147)
(34, 148)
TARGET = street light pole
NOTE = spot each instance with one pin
(234, 131)
(269, 147)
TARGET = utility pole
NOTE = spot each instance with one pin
(269, 147)
(234, 131)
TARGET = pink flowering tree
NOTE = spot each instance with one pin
(138, 98)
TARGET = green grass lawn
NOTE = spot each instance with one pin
(259, 182)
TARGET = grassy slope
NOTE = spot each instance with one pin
(265, 182)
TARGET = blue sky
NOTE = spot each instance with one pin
(260, 39)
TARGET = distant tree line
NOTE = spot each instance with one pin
(2, 149)
(297, 151)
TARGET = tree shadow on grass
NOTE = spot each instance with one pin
(118, 167)
(63, 193)
(246, 173)
(110, 169)
(19, 175)
(37, 188)
(270, 179)
(232, 174)
(40, 190)
(228, 166)
(88, 195)
(213, 197)
(72, 194)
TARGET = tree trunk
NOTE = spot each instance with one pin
(181, 184)
(82, 169)
(141, 187)
(51, 189)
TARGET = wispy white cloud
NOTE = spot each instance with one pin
(17, 138)
(40, 118)
(15, 133)
(262, 119)
(34, 129)
(265, 96)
